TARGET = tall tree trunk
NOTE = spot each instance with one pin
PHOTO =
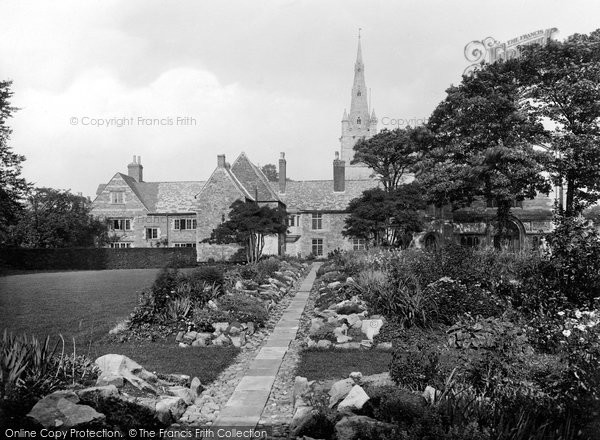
(503, 215)
(569, 208)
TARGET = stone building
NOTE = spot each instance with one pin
(150, 214)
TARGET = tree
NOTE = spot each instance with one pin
(12, 186)
(248, 225)
(562, 82)
(386, 218)
(482, 144)
(390, 154)
(270, 171)
(56, 219)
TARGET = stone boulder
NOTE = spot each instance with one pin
(324, 343)
(114, 366)
(355, 399)
(170, 409)
(371, 327)
(339, 391)
(196, 387)
(102, 392)
(61, 410)
(303, 416)
(377, 380)
(357, 427)
(302, 387)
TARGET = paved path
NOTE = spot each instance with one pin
(245, 406)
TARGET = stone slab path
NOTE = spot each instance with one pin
(246, 404)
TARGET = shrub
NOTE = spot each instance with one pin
(325, 332)
(454, 299)
(164, 286)
(265, 268)
(208, 275)
(396, 405)
(249, 272)
(204, 318)
(244, 308)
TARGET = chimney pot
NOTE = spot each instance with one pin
(339, 174)
(135, 169)
(139, 160)
(282, 173)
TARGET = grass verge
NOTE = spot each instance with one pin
(166, 357)
(335, 364)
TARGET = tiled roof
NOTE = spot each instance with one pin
(253, 179)
(163, 197)
(318, 195)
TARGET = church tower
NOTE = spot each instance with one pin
(360, 123)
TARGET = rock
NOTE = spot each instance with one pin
(333, 320)
(302, 417)
(431, 394)
(357, 324)
(220, 327)
(190, 336)
(354, 427)
(183, 392)
(183, 345)
(356, 376)
(117, 381)
(204, 336)
(301, 388)
(310, 343)
(350, 280)
(179, 337)
(342, 339)
(250, 328)
(238, 341)
(103, 392)
(196, 387)
(324, 343)
(146, 402)
(352, 319)
(384, 346)
(199, 343)
(315, 325)
(112, 365)
(170, 409)
(371, 327)
(377, 380)
(339, 391)
(348, 346)
(355, 399)
(212, 305)
(365, 343)
(239, 285)
(60, 409)
(221, 340)
(334, 285)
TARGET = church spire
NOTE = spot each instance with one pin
(359, 123)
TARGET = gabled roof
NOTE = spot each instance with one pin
(318, 195)
(161, 197)
(226, 171)
(253, 179)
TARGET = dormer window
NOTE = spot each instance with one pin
(358, 120)
(359, 93)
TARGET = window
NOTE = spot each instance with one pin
(120, 245)
(358, 121)
(359, 93)
(185, 223)
(180, 245)
(317, 220)
(358, 244)
(493, 203)
(120, 224)
(469, 240)
(151, 233)
(293, 220)
(317, 247)
(116, 197)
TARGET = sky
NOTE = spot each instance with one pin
(178, 83)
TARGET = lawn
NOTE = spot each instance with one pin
(83, 305)
(336, 364)
(86, 304)
(165, 356)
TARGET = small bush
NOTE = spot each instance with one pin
(325, 332)
(396, 405)
(209, 275)
(266, 268)
(204, 318)
(244, 308)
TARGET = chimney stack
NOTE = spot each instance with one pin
(282, 173)
(221, 161)
(339, 174)
(135, 169)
